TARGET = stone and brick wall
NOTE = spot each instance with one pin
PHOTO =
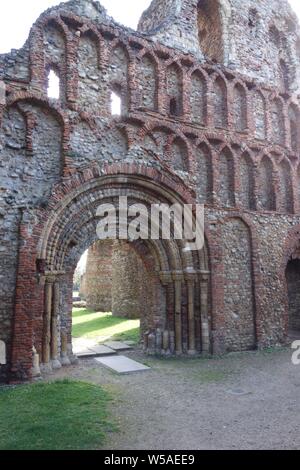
(98, 277)
(204, 119)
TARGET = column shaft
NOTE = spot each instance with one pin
(204, 316)
(178, 325)
(47, 322)
(191, 316)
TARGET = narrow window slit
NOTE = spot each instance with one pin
(116, 104)
(53, 90)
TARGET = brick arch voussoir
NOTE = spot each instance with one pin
(146, 52)
(267, 153)
(123, 44)
(203, 141)
(74, 184)
(40, 100)
(220, 75)
(45, 19)
(152, 126)
(291, 248)
(69, 227)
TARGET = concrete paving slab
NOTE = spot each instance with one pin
(117, 345)
(87, 353)
(122, 364)
(101, 350)
(83, 345)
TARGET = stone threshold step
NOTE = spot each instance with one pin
(117, 345)
(122, 364)
(96, 351)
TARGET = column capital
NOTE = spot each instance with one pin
(53, 276)
(165, 277)
(177, 276)
(204, 276)
(190, 275)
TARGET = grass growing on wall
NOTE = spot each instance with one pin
(61, 415)
(104, 326)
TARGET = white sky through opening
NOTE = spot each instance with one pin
(17, 17)
(14, 37)
(116, 104)
(22, 14)
(53, 85)
(82, 262)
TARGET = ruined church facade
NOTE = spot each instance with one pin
(209, 94)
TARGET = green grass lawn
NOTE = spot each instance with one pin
(62, 415)
(104, 326)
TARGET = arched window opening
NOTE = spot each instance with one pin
(275, 36)
(293, 289)
(286, 187)
(210, 30)
(298, 49)
(247, 178)
(174, 89)
(205, 174)
(147, 77)
(266, 184)
(53, 88)
(220, 103)
(284, 75)
(259, 114)
(294, 131)
(240, 108)
(116, 104)
(173, 107)
(198, 98)
(277, 122)
(253, 22)
(226, 181)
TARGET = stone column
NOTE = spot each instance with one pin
(64, 359)
(97, 280)
(178, 278)
(35, 371)
(204, 277)
(168, 333)
(191, 312)
(47, 324)
(128, 274)
(54, 327)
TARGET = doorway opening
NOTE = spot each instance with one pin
(114, 293)
(293, 286)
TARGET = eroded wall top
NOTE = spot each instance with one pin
(257, 38)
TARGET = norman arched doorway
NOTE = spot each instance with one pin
(52, 249)
(121, 278)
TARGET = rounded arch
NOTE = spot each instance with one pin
(40, 100)
(247, 178)
(259, 107)
(147, 74)
(293, 118)
(174, 89)
(198, 96)
(211, 19)
(267, 198)
(220, 101)
(226, 169)
(68, 226)
(240, 104)
(286, 185)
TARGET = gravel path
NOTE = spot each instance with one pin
(240, 401)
